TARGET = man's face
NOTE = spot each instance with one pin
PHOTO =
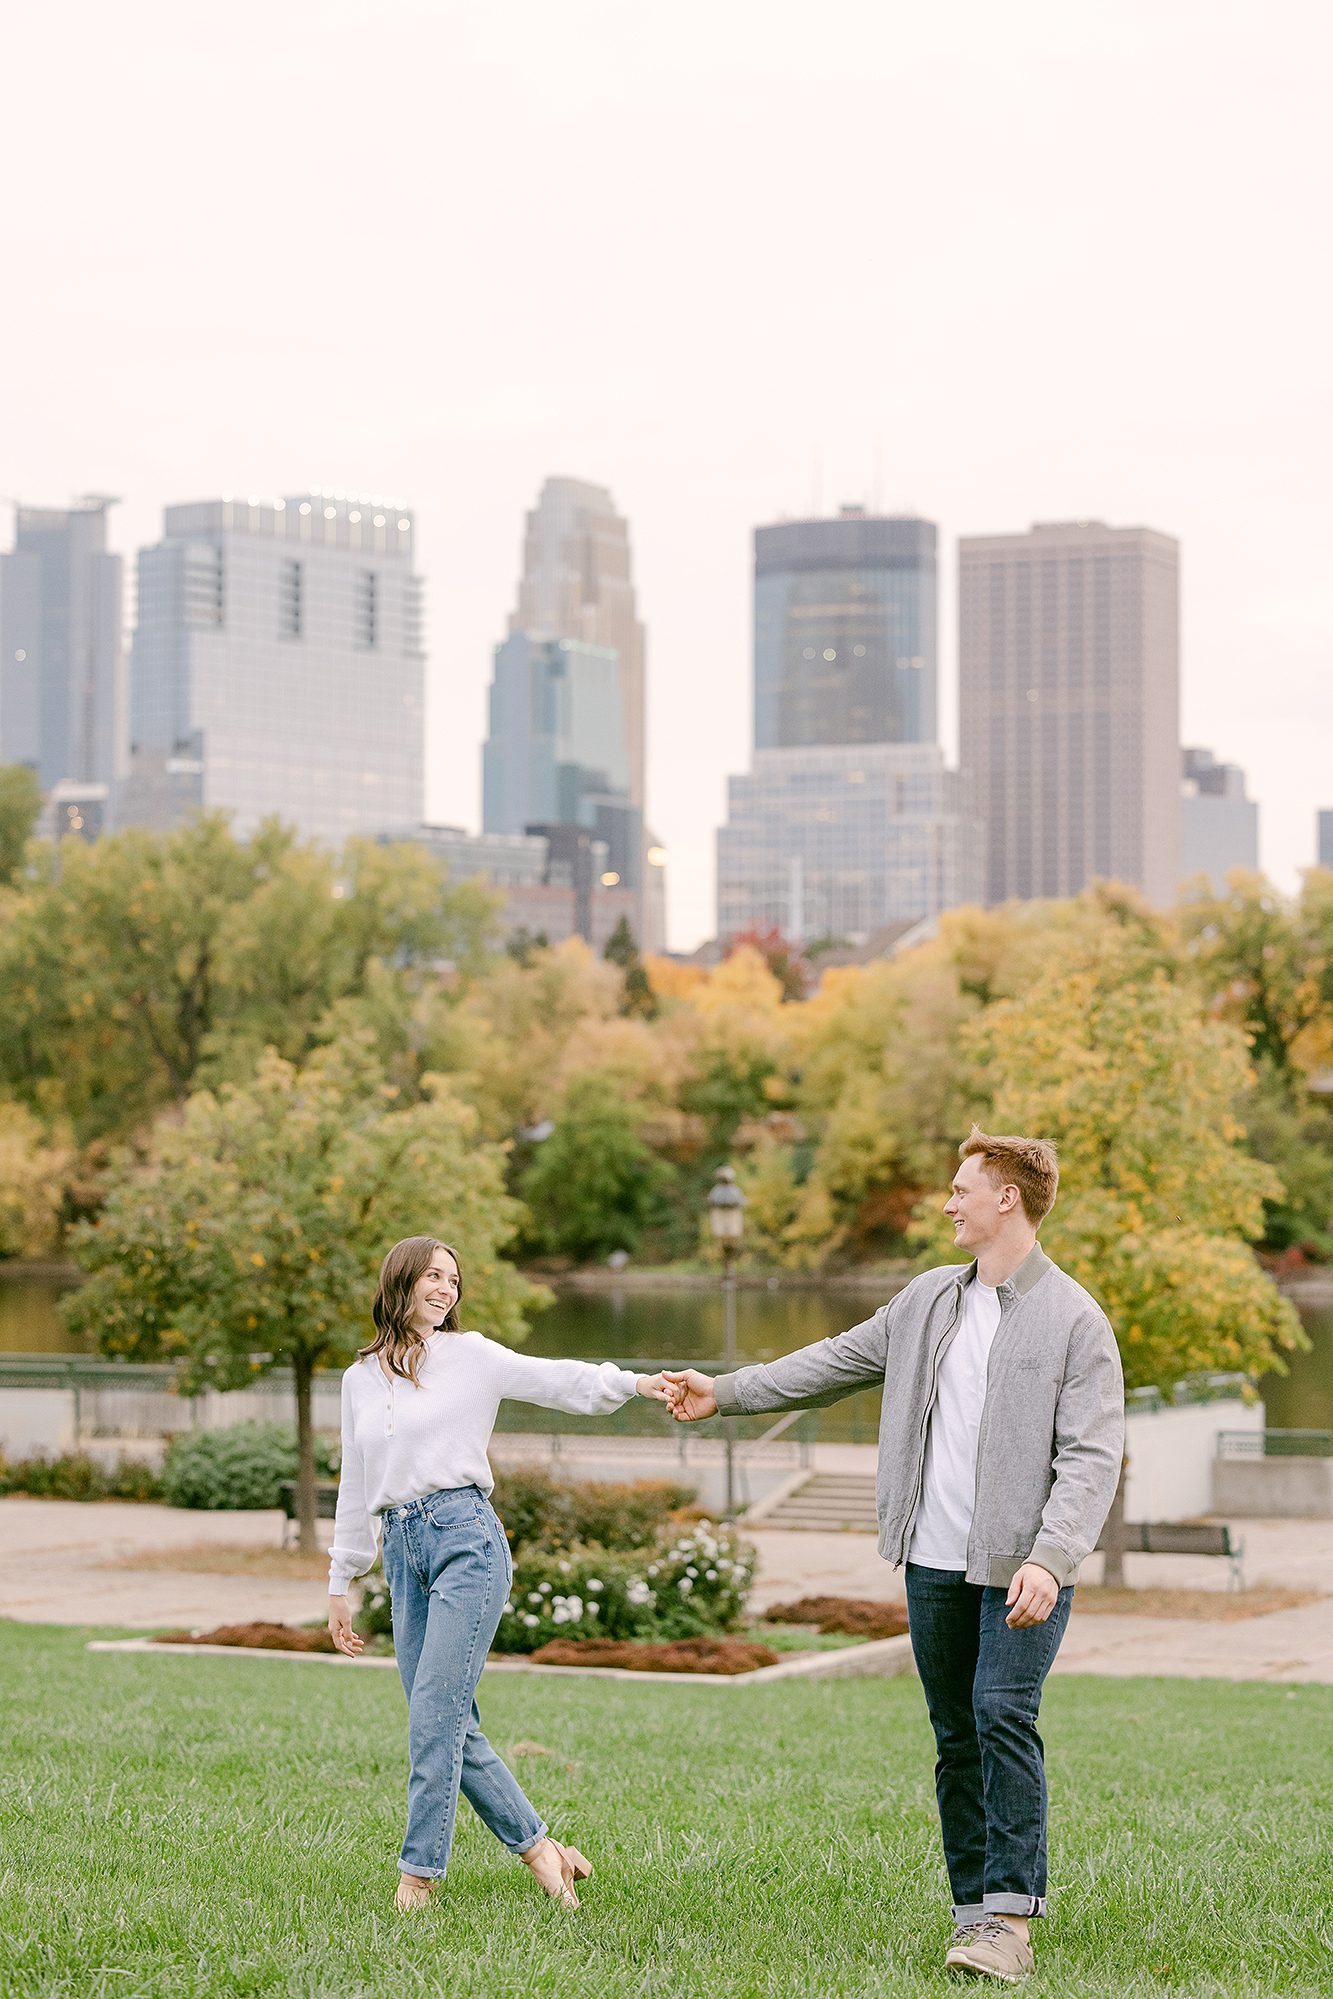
(976, 1206)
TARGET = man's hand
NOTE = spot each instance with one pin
(692, 1395)
(1031, 1597)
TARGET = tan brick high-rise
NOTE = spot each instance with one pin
(1069, 658)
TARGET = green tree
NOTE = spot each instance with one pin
(20, 803)
(139, 966)
(594, 1185)
(638, 998)
(1136, 1083)
(250, 1236)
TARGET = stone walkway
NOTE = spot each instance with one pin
(55, 1557)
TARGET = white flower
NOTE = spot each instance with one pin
(639, 1592)
(593, 1609)
(684, 1585)
(575, 1607)
(544, 1588)
(505, 1612)
(564, 1568)
(711, 1575)
(530, 1620)
(692, 1574)
(593, 1583)
(534, 1596)
(560, 1615)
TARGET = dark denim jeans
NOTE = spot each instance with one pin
(983, 1686)
(448, 1569)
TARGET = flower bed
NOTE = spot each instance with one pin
(689, 1584)
(728, 1656)
(256, 1637)
(858, 1617)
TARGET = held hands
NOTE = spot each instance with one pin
(655, 1386)
(1031, 1597)
(690, 1394)
(340, 1627)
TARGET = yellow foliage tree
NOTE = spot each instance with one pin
(33, 1174)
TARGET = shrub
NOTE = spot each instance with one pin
(686, 1585)
(75, 1475)
(235, 1470)
(540, 1511)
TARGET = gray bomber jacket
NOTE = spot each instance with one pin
(1052, 1433)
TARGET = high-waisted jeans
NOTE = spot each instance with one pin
(983, 1684)
(448, 1569)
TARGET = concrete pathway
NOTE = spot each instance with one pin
(55, 1557)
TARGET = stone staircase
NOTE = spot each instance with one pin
(825, 1502)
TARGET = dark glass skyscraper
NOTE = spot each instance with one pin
(844, 632)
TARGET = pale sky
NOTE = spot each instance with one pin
(732, 258)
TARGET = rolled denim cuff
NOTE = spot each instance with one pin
(967, 1912)
(1014, 1905)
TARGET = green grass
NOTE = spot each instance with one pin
(180, 1827)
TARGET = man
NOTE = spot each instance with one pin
(1001, 1441)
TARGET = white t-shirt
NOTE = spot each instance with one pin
(400, 1442)
(949, 1486)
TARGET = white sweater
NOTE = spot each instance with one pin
(400, 1442)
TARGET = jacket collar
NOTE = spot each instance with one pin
(1029, 1272)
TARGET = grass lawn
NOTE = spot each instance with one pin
(180, 1827)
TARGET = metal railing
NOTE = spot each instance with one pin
(1275, 1443)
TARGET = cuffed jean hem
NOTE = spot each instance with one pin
(438, 1873)
(999, 1905)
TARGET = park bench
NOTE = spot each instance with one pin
(326, 1503)
(1183, 1537)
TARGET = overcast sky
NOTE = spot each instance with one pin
(733, 258)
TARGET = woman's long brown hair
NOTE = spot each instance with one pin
(395, 1335)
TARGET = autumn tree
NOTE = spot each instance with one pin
(250, 1236)
(594, 1185)
(1136, 1082)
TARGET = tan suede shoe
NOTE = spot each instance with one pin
(990, 1949)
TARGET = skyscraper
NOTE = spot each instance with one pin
(565, 747)
(576, 584)
(1069, 707)
(848, 819)
(844, 631)
(1324, 839)
(837, 841)
(62, 690)
(557, 753)
(278, 668)
(1219, 824)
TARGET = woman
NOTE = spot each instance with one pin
(418, 1408)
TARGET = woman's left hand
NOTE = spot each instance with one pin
(656, 1387)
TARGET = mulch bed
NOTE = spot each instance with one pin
(681, 1655)
(857, 1617)
(261, 1637)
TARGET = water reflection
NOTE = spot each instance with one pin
(686, 1326)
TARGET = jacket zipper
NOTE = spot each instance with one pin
(938, 1355)
(1006, 1306)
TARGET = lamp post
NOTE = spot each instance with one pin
(726, 1219)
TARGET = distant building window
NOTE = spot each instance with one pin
(365, 608)
(291, 608)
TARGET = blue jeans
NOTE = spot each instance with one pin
(983, 1684)
(447, 1564)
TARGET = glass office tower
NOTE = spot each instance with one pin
(845, 644)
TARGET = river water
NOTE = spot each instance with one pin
(686, 1326)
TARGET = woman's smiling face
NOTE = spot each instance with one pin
(435, 1292)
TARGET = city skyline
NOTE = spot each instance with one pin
(1062, 326)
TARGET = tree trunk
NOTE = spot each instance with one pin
(1113, 1535)
(303, 1371)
